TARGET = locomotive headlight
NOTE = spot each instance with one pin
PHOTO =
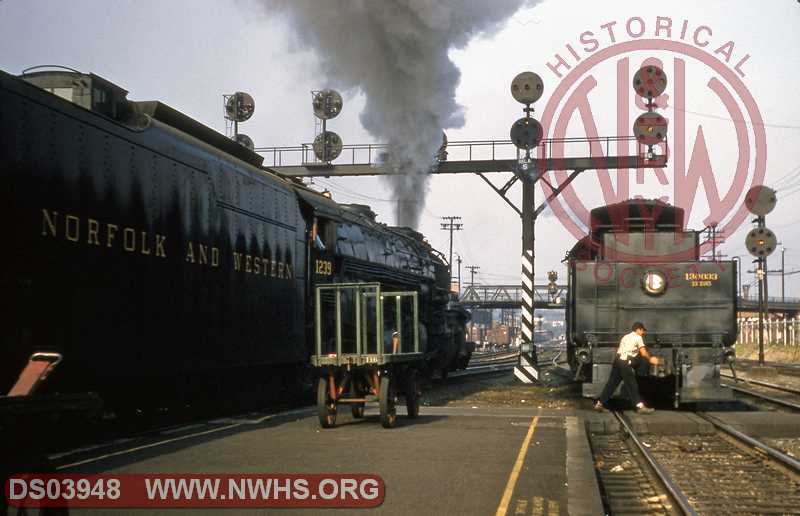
(654, 282)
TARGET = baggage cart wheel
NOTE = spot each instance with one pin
(358, 410)
(412, 395)
(326, 407)
(387, 403)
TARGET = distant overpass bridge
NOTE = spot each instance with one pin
(789, 305)
(555, 296)
(510, 296)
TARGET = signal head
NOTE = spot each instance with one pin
(327, 104)
(649, 81)
(327, 146)
(244, 140)
(527, 88)
(760, 200)
(239, 107)
(761, 242)
(650, 128)
(526, 133)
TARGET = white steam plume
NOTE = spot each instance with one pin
(396, 52)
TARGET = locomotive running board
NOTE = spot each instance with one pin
(526, 371)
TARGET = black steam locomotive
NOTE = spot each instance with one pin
(164, 262)
(639, 264)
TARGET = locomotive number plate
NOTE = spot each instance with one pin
(323, 267)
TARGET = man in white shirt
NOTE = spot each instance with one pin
(630, 346)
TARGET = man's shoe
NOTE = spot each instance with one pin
(598, 406)
(644, 410)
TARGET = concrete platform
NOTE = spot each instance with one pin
(662, 422)
(456, 461)
(762, 424)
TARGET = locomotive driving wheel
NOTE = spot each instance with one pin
(388, 402)
(326, 406)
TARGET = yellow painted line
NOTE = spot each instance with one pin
(512, 479)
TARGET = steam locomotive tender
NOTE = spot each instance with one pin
(165, 263)
(639, 264)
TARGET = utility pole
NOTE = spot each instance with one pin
(760, 274)
(783, 274)
(451, 225)
(459, 260)
(472, 270)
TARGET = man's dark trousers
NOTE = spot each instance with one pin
(621, 371)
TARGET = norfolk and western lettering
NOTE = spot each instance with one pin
(93, 232)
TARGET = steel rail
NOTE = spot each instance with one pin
(777, 401)
(669, 484)
(778, 365)
(766, 384)
(779, 456)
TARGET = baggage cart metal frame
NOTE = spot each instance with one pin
(361, 376)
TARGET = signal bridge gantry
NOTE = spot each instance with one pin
(510, 296)
(468, 156)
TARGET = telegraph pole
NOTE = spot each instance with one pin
(472, 270)
(761, 274)
(459, 260)
(783, 274)
(451, 225)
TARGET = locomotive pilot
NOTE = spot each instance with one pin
(631, 346)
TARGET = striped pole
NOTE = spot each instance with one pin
(526, 369)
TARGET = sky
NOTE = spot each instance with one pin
(189, 53)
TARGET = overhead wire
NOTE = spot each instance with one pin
(788, 177)
(341, 190)
(728, 119)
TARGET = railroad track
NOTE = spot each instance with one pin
(781, 395)
(784, 368)
(498, 365)
(493, 357)
(502, 362)
(726, 472)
